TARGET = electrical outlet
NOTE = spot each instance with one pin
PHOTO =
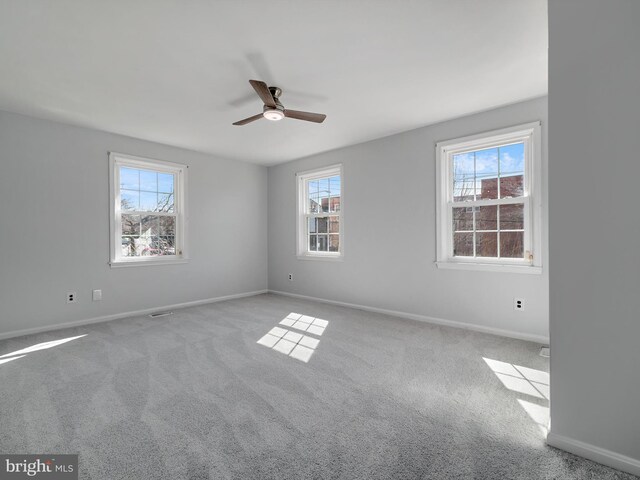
(97, 295)
(71, 297)
(291, 277)
(518, 304)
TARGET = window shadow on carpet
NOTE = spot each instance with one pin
(295, 345)
(529, 382)
(8, 357)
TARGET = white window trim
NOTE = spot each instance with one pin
(302, 252)
(530, 134)
(117, 160)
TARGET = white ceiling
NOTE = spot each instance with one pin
(177, 72)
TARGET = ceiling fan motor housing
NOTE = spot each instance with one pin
(275, 93)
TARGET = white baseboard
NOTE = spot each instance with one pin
(597, 454)
(423, 318)
(116, 316)
(394, 313)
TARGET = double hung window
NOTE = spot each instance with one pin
(489, 200)
(320, 208)
(147, 210)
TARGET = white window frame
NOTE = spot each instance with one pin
(117, 160)
(530, 135)
(302, 224)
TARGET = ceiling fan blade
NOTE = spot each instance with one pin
(249, 120)
(308, 116)
(263, 92)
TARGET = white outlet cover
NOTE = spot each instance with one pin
(520, 307)
(97, 295)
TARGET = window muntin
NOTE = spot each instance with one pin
(485, 198)
(147, 210)
(320, 213)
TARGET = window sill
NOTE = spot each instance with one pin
(147, 263)
(330, 258)
(490, 267)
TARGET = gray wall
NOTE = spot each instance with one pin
(595, 223)
(389, 242)
(54, 227)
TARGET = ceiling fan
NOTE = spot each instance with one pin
(274, 110)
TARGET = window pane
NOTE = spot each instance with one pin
(148, 201)
(129, 178)
(334, 191)
(334, 243)
(487, 218)
(323, 187)
(129, 246)
(486, 244)
(151, 247)
(312, 225)
(323, 193)
(165, 183)
(323, 224)
(167, 246)
(149, 226)
(512, 244)
(313, 243)
(463, 177)
(463, 244)
(512, 186)
(130, 225)
(334, 186)
(512, 217)
(324, 203)
(148, 181)
(463, 218)
(487, 173)
(334, 225)
(323, 244)
(167, 226)
(314, 202)
(314, 205)
(512, 170)
(165, 202)
(129, 200)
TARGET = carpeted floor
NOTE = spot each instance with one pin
(194, 396)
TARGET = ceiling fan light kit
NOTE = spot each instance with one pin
(273, 114)
(274, 110)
